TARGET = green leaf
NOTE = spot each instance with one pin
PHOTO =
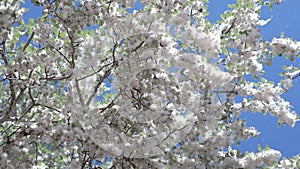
(284, 67)
(230, 6)
(268, 62)
(239, 2)
(250, 5)
(267, 148)
(282, 74)
(259, 147)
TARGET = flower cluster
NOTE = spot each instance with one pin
(155, 88)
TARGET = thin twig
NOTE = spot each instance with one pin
(11, 85)
(28, 42)
(95, 72)
(172, 133)
(224, 32)
(64, 56)
(106, 74)
(101, 80)
(79, 92)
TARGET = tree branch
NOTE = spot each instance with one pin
(11, 84)
(28, 42)
(79, 92)
(95, 72)
(226, 31)
(101, 80)
(64, 56)
(106, 74)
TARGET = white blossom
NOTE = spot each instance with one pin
(159, 87)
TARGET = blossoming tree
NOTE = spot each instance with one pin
(155, 88)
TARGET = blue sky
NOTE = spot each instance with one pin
(285, 18)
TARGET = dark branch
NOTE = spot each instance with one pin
(28, 42)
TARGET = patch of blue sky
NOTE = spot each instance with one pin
(48, 147)
(99, 163)
(173, 148)
(137, 6)
(77, 3)
(216, 8)
(4, 81)
(182, 112)
(172, 30)
(199, 138)
(58, 85)
(101, 97)
(107, 82)
(33, 11)
(178, 145)
(92, 27)
(95, 162)
(2, 61)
